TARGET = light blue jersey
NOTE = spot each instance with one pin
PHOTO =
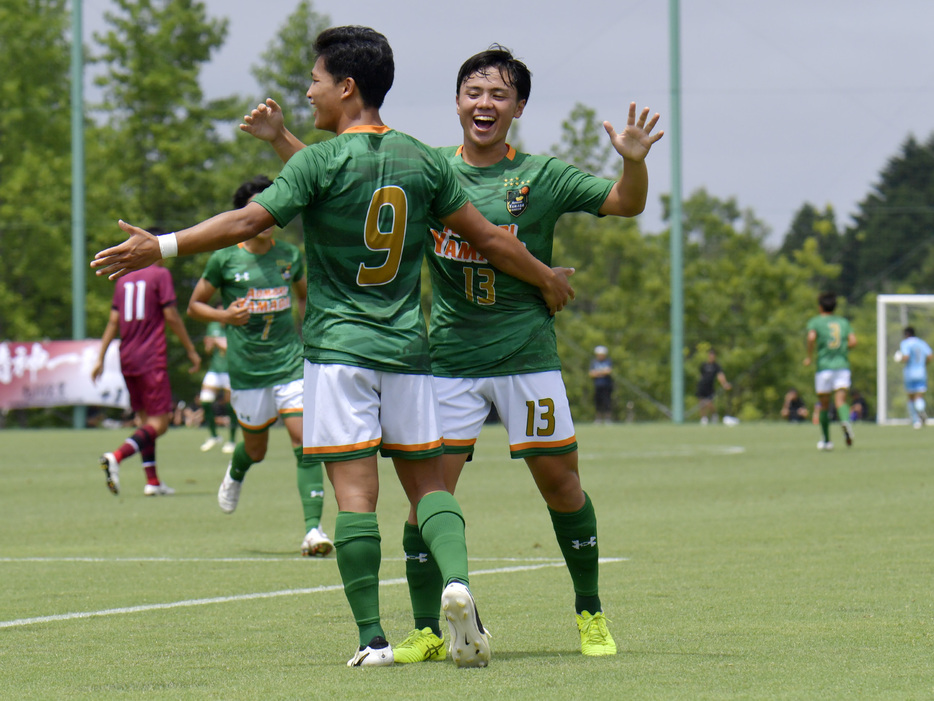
(916, 353)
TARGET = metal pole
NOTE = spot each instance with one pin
(677, 235)
(78, 256)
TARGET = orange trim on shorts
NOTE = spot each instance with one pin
(292, 412)
(459, 442)
(261, 427)
(542, 444)
(409, 448)
(330, 449)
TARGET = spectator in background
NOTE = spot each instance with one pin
(794, 408)
(709, 373)
(601, 371)
(859, 408)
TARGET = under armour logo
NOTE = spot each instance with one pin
(421, 557)
(314, 494)
(587, 543)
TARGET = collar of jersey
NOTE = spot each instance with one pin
(510, 154)
(242, 244)
(366, 129)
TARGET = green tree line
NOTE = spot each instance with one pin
(158, 151)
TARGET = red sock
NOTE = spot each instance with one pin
(151, 476)
(141, 439)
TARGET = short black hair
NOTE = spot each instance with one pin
(515, 73)
(827, 301)
(360, 53)
(909, 331)
(251, 187)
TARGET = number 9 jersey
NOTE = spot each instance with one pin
(364, 291)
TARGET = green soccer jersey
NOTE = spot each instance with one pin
(832, 335)
(218, 362)
(267, 350)
(365, 198)
(485, 323)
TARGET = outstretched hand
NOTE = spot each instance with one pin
(265, 122)
(139, 251)
(634, 142)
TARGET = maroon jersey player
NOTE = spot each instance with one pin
(143, 303)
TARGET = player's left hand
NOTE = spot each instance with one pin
(558, 292)
(195, 361)
(633, 142)
(265, 122)
(139, 251)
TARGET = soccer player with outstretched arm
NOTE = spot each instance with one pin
(368, 386)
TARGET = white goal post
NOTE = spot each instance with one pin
(893, 314)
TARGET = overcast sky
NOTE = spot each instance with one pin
(782, 102)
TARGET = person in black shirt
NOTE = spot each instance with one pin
(709, 372)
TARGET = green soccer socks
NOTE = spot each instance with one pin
(424, 579)
(311, 488)
(577, 537)
(357, 540)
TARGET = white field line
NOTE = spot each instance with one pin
(258, 595)
(285, 558)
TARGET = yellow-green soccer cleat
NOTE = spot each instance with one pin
(420, 646)
(595, 636)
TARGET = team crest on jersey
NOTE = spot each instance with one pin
(286, 269)
(517, 200)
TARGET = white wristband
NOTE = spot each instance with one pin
(168, 245)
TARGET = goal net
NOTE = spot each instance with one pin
(893, 314)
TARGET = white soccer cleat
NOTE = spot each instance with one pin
(824, 445)
(377, 654)
(111, 469)
(228, 447)
(229, 493)
(210, 443)
(157, 490)
(317, 543)
(468, 642)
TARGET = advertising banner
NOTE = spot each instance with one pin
(58, 373)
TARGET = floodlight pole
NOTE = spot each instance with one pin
(676, 243)
(78, 263)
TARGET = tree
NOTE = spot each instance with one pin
(284, 73)
(584, 142)
(154, 158)
(35, 170)
(808, 223)
(893, 233)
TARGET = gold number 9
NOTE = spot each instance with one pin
(390, 241)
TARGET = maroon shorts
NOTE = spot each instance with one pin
(150, 393)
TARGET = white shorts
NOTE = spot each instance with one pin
(354, 412)
(258, 409)
(827, 381)
(212, 383)
(533, 407)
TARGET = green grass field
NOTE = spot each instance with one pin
(741, 563)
